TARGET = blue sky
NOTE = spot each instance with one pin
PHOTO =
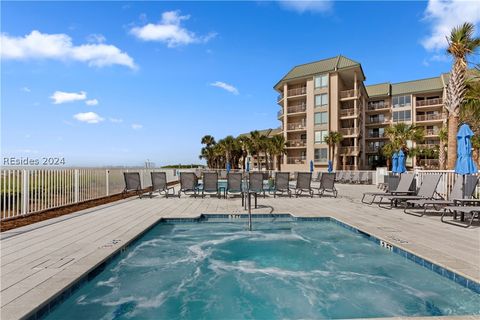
(116, 83)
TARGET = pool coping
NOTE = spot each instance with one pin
(45, 308)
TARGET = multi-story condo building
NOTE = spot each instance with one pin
(330, 95)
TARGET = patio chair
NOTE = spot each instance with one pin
(355, 178)
(339, 176)
(234, 184)
(473, 210)
(327, 184)
(404, 188)
(426, 191)
(463, 188)
(255, 183)
(304, 180)
(210, 184)
(319, 177)
(347, 177)
(159, 183)
(188, 183)
(365, 177)
(132, 183)
(282, 184)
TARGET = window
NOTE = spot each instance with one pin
(321, 100)
(321, 154)
(400, 116)
(321, 81)
(321, 117)
(320, 136)
(401, 101)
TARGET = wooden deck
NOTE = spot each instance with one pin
(40, 260)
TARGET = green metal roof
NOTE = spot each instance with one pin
(321, 66)
(266, 132)
(408, 87)
(376, 90)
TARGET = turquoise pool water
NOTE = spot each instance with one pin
(282, 270)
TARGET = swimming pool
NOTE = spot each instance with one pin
(282, 269)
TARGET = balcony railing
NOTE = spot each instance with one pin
(429, 102)
(373, 148)
(429, 117)
(280, 113)
(376, 106)
(375, 135)
(296, 160)
(426, 145)
(296, 126)
(348, 94)
(280, 97)
(378, 120)
(432, 132)
(349, 112)
(297, 108)
(429, 163)
(296, 143)
(297, 91)
(348, 150)
(349, 131)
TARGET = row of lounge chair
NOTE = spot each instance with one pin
(460, 200)
(354, 177)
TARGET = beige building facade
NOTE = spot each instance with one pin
(330, 95)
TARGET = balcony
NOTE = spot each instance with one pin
(297, 108)
(349, 131)
(296, 91)
(427, 145)
(351, 112)
(378, 121)
(347, 94)
(349, 151)
(432, 132)
(384, 105)
(300, 143)
(280, 113)
(429, 117)
(373, 149)
(295, 126)
(375, 135)
(297, 160)
(428, 163)
(429, 102)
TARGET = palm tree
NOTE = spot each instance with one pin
(333, 139)
(257, 146)
(388, 150)
(277, 149)
(461, 44)
(470, 112)
(207, 152)
(399, 134)
(442, 154)
(244, 144)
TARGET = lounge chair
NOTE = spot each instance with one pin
(339, 176)
(426, 191)
(462, 189)
(327, 184)
(255, 183)
(473, 210)
(304, 180)
(188, 183)
(234, 184)
(159, 184)
(365, 177)
(319, 177)
(132, 183)
(403, 188)
(355, 177)
(282, 184)
(210, 184)
(347, 177)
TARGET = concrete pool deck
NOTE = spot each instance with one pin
(40, 260)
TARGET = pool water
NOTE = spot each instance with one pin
(281, 270)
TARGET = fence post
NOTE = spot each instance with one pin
(25, 191)
(107, 173)
(76, 183)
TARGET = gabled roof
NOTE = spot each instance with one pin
(326, 65)
(415, 86)
(266, 132)
(376, 90)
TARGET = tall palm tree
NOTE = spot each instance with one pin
(277, 149)
(470, 112)
(461, 44)
(399, 134)
(442, 154)
(257, 146)
(207, 152)
(333, 139)
(228, 146)
(387, 150)
(244, 144)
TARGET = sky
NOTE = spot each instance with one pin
(117, 83)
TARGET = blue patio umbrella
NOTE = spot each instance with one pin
(464, 164)
(394, 162)
(330, 166)
(401, 168)
(228, 167)
(311, 165)
(248, 166)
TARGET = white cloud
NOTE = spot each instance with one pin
(91, 102)
(136, 126)
(444, 15)
(309, 5)
(88, 117)
(170, 31)
(115, 120)
(225, 86)
(26, 89)
(60, 97)
(96, 38)
(37, 45)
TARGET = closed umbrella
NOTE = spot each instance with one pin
(311, 165)
(401, 168)
(394, 162)
(465, 164)
(330, 166)
(248, 166)
(228, 167)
